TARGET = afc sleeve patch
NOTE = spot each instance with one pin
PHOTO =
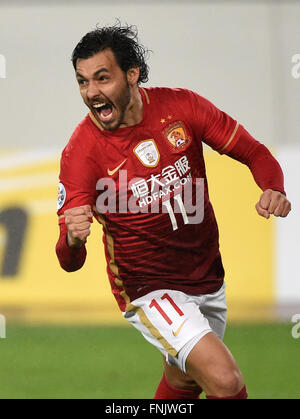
(61, 196)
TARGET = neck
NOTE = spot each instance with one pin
(134, 111)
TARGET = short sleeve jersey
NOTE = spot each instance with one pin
(147, 186)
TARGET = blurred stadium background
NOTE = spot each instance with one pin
(65, 337)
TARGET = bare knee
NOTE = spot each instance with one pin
(227, 383)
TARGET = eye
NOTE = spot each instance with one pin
(82, 82)
(103, 78)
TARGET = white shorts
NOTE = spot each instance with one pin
(174, 321)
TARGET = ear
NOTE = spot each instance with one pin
(133, 75)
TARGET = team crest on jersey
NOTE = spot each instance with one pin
(177, 136)
(147, 152)
(61, 196)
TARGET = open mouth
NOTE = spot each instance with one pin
(104, 111)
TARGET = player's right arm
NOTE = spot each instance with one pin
(74, 226)
(70, 258)
(78, 222)
(77, 194)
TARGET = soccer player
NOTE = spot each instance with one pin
(125, 167)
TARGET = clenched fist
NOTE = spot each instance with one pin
(273, 202)
(78, 221)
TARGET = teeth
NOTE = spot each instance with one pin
(99, 105)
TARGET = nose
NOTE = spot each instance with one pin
(93, 90)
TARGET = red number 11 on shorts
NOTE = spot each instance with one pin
(155, 304)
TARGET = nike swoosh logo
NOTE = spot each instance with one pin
(112, 172)
(176, 333)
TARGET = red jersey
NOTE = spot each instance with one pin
(156, 236)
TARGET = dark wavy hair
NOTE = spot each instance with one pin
(124, 43)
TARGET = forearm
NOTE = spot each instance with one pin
(264, 167)
(70, 259)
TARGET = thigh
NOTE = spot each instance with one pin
(212, 366)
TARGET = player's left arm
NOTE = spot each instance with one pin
(273, 202)
(266, 172)
(227, 136)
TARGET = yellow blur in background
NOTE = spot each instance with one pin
(33, 287)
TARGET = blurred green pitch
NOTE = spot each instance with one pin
(117, 363)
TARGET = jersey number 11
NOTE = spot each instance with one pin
(168, 205)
